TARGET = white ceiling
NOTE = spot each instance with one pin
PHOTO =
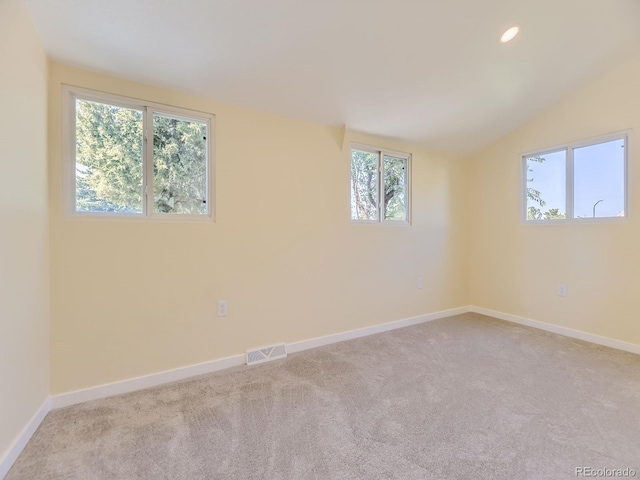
(427, 71)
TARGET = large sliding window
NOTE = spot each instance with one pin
(135, 158)
(580, 181)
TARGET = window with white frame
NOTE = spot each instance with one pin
(585, 180)
(135, 158)
(379, 185)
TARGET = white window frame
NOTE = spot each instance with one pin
(69, 96)
(569, 187)
(381, 152)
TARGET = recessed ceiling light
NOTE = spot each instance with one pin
(509, 34)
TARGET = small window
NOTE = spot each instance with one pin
(138, 159)
(579, 181)
(379, 185)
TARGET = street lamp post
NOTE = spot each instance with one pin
(594, 207)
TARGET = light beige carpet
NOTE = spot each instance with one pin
(467, 397)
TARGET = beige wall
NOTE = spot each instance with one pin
(24, 357)
(130, 298)
(515, 267)
(135, 297)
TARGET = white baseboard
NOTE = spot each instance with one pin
(145, 381)
(13, 452)
(363, 332)
(567, 332)
(155, 379)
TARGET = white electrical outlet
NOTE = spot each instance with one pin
(420, 282)
(562, 290)
(223, 309)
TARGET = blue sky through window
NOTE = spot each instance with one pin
(598, 172)
(549, 178)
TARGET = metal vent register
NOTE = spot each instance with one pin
(266, 354)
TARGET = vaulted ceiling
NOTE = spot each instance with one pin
(427, 71)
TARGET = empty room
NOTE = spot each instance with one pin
(319, 239)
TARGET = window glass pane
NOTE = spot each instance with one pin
(395, 188)
(599, 180)
(364, 185)
(546, 186)
(179, 165)
(108, 158)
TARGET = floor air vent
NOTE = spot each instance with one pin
(266, 354)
